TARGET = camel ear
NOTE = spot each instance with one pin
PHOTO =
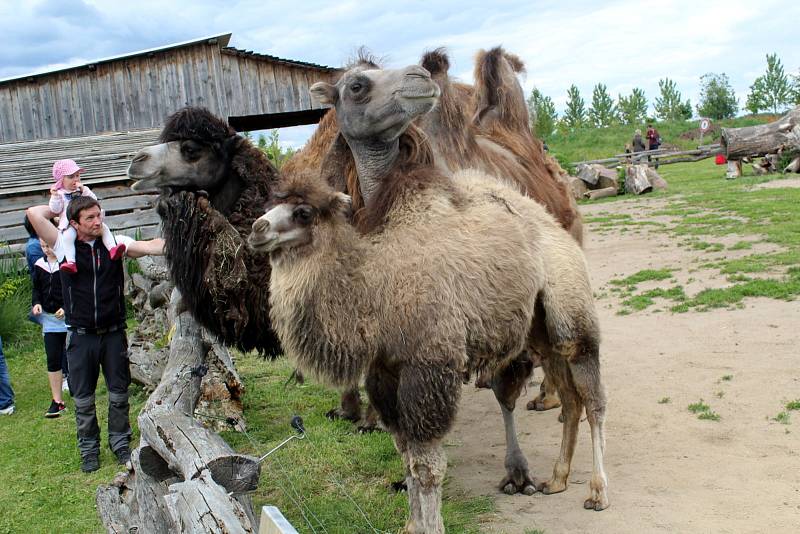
(325, 93)
(342, 204)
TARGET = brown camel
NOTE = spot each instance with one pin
(484, 127)
(443, 280)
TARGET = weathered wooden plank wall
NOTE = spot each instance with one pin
(138, 92)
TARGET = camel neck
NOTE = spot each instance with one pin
(374, 160)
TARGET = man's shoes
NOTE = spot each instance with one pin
(90, 462)
(69, 267)
(55, 410)
(117, 252)
(8, 410)
(123, 455)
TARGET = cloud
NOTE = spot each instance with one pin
(621, 43)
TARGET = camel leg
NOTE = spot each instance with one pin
(571, 408)
(411, 487)
(586, 375)
(372, 421)
(507, 385)
(350, 408)
(547, 398)
(427, 466)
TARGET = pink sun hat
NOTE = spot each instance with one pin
(62, 168)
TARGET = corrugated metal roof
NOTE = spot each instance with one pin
(222, 39)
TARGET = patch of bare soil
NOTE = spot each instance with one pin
(668, 471)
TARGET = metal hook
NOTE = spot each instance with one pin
(297, 424)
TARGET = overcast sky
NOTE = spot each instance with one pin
(623, 44)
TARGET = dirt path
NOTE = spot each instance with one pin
(668, 470)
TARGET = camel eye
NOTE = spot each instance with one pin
(356, 87)
(303, 215)
(190, 151)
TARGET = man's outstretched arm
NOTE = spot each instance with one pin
(151, 247)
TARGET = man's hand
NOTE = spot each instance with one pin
(59, 313)
(37, 309)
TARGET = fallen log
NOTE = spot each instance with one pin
(200, 505)
(578, 187)
(655, 179)
(763, 139)
(601, 193)
(794, 166)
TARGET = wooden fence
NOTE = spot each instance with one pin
(657, 157)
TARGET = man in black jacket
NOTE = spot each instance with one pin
(94, 304)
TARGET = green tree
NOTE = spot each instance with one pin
(772, 91)
(272, 148)
(603, 111)
(796, 88)
(575, 114)
(632, 108)
(668, 106)
(542, 113)
(717, 99)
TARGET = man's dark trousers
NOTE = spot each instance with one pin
(87, 353)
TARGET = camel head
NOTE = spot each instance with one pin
(378, 104)
(293, 220)
(195, 154)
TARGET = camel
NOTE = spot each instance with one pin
(214, 184)
(484, 127)
(456, 274)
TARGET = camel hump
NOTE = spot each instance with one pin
(436, 61)
(498, 94)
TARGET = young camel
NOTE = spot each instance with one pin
(447, 282)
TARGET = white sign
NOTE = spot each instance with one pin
(705, 124)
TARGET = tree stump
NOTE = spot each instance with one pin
(636, 181)
(781, 134)
(794, 166)
(734, 169)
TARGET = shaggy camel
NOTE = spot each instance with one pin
(484, 127)
(214, 184)
(446, 282)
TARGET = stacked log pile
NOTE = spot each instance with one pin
(596, 181)
(183, 477)
(767, 141)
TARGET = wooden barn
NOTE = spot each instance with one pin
(100, 113)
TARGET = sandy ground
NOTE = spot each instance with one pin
(668, 471)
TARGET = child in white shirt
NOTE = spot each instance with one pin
(67, 175)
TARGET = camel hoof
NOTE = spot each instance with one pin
(337, 413)
(519, 483)
(550, 487)
(561, 417)
(368, 429)
(596, 505)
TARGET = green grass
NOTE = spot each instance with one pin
(703, 411)
(643, 276)
(782, 418)
(332, 457)
(793, 405)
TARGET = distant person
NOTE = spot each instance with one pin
(637, 143)
(47, 303)
(6, 393)
(653, 138)
(94, 302)
(545, 147)
(33, 250)
(67, 175)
